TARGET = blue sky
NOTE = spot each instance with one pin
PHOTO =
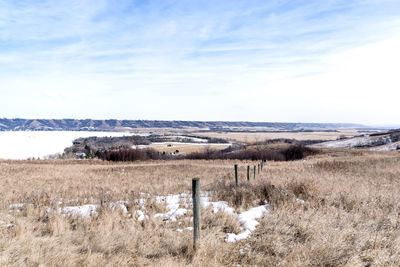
(308, 61)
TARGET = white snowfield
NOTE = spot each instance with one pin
(175, 211)
(39, 144)
(347, 143)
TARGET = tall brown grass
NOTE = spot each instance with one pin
(333, 209)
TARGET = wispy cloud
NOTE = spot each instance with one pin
(207, 56)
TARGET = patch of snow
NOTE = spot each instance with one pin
(120, 205)
(249, 223)
(218, 206)
(141, 215)
(80, 211)
(194, 139)
(243, 250)
(16, 206)
(347, 143)
(388, 147)
(8, 225)
(172, 202)
(187, 229)
(172, 214)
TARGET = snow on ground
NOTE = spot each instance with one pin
(249, 223)
(90, 210)
(194, 139)
(120, 205)
(187, 229)
(16, 205)
(219, 206)
(7, 225)
(387, 147)
(85, 211)
(173, 203)
(247, 218)
(346, 143)
(380, 143)
(29, 144)
(141, 215)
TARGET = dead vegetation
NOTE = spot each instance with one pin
(333, 209)
(255, 137)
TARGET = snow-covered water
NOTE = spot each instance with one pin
(27, 144)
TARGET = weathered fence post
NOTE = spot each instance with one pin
(236, 175)
(248, 173)
(196, 211)
(254, 172)
(258, 169)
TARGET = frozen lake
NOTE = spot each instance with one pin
(25, 144)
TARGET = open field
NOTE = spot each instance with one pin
(171, 147)
(262, 136)
(340, 208)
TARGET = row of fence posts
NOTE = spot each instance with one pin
(256, 169)
(196, 199)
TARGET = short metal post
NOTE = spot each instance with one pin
(248, 173)
(254, 172)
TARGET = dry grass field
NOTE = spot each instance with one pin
(171, 147)
(249, 137)
(340, 208)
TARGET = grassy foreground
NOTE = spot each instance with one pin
(334, 209)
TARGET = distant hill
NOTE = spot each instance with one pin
(385, 141)
(120, 125)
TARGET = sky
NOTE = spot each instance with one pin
(275, 61)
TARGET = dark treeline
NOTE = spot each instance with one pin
(129, 154)
(294, 152)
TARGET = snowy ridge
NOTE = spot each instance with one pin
(384, 142)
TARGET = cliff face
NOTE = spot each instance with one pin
(119, 125)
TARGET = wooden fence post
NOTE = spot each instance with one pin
(254, 172)
(236, 175)
(248, 173)
(196, 211)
